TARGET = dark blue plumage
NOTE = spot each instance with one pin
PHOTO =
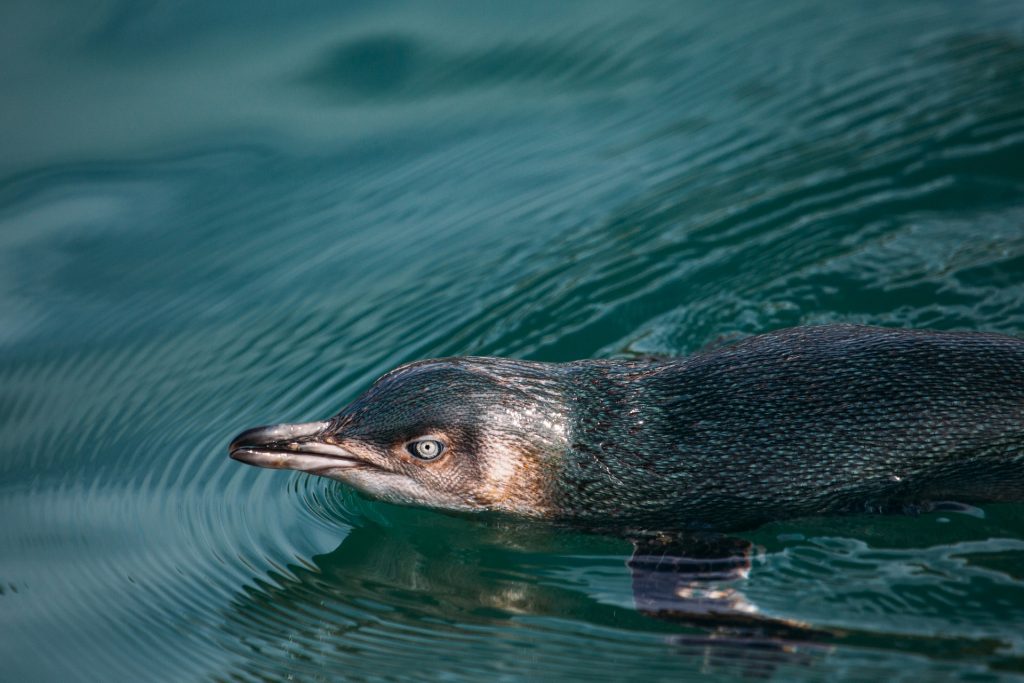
(797, 422)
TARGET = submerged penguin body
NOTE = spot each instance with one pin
(806, 421)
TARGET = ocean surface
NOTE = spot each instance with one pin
(215, 215)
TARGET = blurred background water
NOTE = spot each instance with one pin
(217, 215)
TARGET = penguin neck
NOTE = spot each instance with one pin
(614, 465)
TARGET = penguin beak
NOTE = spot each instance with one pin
(292, 447)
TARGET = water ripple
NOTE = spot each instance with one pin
(199, 239)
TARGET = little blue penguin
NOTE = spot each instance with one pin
(805, 421)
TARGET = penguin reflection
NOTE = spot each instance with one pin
(486, 575)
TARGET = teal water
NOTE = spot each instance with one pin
(217, 215)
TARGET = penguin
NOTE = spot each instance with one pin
(814, 420)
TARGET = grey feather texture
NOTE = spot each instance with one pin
(798, 422)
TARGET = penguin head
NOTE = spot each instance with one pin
(460, 434)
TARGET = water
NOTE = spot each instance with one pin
(215, 215)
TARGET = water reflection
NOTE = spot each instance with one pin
(439, 582)
(428, 587)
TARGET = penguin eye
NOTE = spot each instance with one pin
(425, 449)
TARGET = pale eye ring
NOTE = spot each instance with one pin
(426, 449)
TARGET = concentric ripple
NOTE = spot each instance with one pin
(214, 216)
